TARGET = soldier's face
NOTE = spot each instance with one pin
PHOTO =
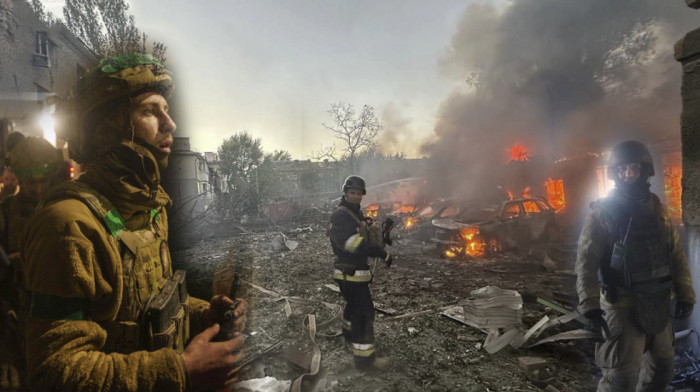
(33, 189)
(9, 180)
(630, 172)
(354, 196)
(151, 121)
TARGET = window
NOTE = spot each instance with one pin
(42, 43)
(512, 210)
(41, 49)
(531, 207)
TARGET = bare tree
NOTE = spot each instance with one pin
(356, 130)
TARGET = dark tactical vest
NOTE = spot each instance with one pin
(154, 310)
(646, 267)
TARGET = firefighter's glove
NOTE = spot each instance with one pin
(683, 310)
(388, 259)
(594, 320)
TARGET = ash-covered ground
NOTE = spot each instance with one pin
(428, 352)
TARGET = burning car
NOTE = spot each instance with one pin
(473, 230)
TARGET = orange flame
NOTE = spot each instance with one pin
(405, 209)
(474, 245)
(409, 222)
(673, 190)
(526, 192)
(372, 210)
(518, 153)
(555, 193)
(510, 195)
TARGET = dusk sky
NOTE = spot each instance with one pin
(273, 68)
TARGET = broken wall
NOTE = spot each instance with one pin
(687, 51)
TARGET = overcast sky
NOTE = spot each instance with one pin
(273, 68)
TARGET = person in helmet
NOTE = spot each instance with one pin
(353, 244)
(630, 264)
(35, 162)
(9, 180)
(112, 314)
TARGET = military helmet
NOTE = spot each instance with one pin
(630, 151)
(103, 94)
(34, 158)
(354, 182)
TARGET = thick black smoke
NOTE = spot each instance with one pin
(562, 77)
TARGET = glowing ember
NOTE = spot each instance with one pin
(409, 222)
(673, 190)
(555, 193)
(452, 252)
(372, 211)
(474, 245)
(518, 153)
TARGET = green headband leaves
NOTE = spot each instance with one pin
(123, 61)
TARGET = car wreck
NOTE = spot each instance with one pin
(471, 229)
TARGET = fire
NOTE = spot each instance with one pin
(474, 246)
(409, 222)
(526, 192)
(453, 252)
(555, 193)
(372, 210)
(510, 195)
(405, 209)
(673, 190)
(518, 153)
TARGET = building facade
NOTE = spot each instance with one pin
(40, 64)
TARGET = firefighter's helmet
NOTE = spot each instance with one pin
(34, 158)
(630, 151)
(354, 182)
(101, 101)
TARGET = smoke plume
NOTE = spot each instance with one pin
(562, 77)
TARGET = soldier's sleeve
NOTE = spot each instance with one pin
(680, 270)
(589, 254)
(73, 272)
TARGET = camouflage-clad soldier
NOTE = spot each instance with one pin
(630, 264)
(353, 243)
(107, 310)
(35, 163)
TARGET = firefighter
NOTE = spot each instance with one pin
(630, 265)
(353, 241)
(107, 311)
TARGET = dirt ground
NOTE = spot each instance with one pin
(428, 352)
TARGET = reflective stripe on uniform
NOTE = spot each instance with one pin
(359, 276)
(362, 350)
(353, 243)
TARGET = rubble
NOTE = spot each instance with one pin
(428, 351)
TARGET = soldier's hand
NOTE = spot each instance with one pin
(683, 310)
(220, 303)
(211, 364)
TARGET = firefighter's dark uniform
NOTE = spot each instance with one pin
(353, 276)
(637, 303)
